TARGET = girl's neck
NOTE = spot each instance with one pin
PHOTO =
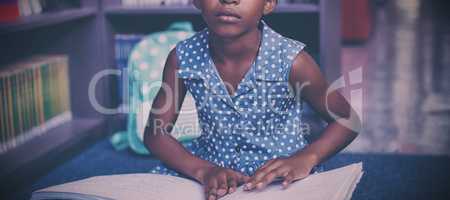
(235, 50)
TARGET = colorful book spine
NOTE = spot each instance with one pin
(9, 107)
(124, 44)
(2, 113)
(9, 10)
(34, 98)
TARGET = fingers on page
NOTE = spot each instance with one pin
(223, 184)
(211, 189)
(262, 173)
(280, 172)
(212, 194)
(288, 180)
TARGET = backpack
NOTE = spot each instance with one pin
(144, 70)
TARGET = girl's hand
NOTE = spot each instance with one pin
(288, 169)
(219, 181)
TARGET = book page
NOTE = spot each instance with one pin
(332, 185)
(130, 186)
(337, 184)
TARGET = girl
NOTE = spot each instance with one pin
(248, 83)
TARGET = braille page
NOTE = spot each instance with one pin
(337, 184)
(126, 186)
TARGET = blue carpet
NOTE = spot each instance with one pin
(387, 177)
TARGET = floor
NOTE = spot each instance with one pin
(405, 67)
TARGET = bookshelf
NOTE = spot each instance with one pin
(72, 32)
(46, 19)
(86, 35)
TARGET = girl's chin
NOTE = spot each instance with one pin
(227, 31)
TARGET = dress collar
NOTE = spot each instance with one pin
(258, 70)
(216, 84)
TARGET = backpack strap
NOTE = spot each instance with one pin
(181, 26)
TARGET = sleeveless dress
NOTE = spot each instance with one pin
(261, 121)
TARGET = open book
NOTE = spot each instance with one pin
(337, 184)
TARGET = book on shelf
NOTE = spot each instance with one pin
(11, 10)
(336, 184)
(124, 44)
(34, 98)
(29, 7)
(36, 6)
(25, 8)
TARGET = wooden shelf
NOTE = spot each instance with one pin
(50, 144)
(46, 19)
(169, 10)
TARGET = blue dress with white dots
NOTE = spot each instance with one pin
(259, 122)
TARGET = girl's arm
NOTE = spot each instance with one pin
(164, 112)
(306, 79)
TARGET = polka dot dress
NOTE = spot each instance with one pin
(259, 122)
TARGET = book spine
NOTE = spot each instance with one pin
(125, 44)
(49, 88)
(51, 99)
(25, 8)
(5, 96)
(20, 107)
(15, 107)
(23, 102)
(119, 43)
(34, 94)
(66, 89)
(40, 97)
(55, 89)
(9, 11)
(8, 109)
(27, 100)
(2, 116)
(55, 94)
(19, 99)
(60, 92)
(45, 93)
(56, 84)
(36, 6)
(61, 87)
(30, 97)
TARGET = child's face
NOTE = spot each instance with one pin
(231, 18)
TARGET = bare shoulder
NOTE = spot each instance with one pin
(304, 69)
(172, 60)
(171, 65)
